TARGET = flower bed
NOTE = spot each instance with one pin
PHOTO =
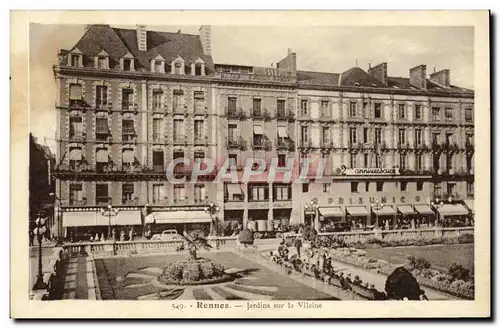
(193, 272)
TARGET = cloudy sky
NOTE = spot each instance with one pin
(327, 49)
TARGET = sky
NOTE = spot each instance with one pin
(325, 49)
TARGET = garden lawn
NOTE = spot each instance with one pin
(126, 279)
(440, 256)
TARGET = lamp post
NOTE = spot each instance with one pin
(377, 206)
(312, 205)
(437, 204)
(109, 212)
(212, 209)
(39, 231)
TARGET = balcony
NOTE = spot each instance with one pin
(102, 200)
(355, 145)
(261, 114)
(130, 202)
(239, 143)
(235, 113)
(326, 118)
(262, 144)
(201, 140)
(285, 144)
(303, 144)
(78, 105)
(129, 138)
(104, 107)
(82, 202)
(327, 144)
(285, 115)
(180, 110)
(129, 108)
(180, 140)
(403, 145)
(77, 136)
(159, 168)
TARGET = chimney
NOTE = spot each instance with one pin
(289, 51)
(289, 63)
(142, 44)
(206, 39)
(418, 77)
(442, 78)
(379, 72)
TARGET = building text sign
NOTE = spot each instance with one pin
(369, 171)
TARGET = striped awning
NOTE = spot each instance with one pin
(406, 210)
(357, 210)
(452, 210)
(75, 154)
(128, 156)
(331, 211)
(176, 217)
(386, 210)
(423, 209)
(234, 189)
(257, 129)
(102, 156)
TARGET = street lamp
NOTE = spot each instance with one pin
(313, 206)
(39, 231)
(212, 209)
(109, 212)
(377, 206)
(437, 204)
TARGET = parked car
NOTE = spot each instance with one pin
(167, 235)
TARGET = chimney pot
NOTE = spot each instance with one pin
(418, 76)
(442, 78)
(289, 51)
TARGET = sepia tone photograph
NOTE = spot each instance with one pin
(251, 164)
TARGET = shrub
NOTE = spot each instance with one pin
(218, 268)
(309, 233)
(422, 264)
(246, 236)
(458, 284)
(173, 271)
(208, 270)
(192, 272)
(465, 238)
(458, 272)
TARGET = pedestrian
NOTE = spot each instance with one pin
(122, 235)
(113, 234)
(131, 234)
(327, 263)
(32, 237)
(298, 244)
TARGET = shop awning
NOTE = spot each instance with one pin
(423, 209)
(331, 211)
(234, 189)
(257, 129)
(357, 210)
(178, 217)
(75, 154)
(102, 156)
(470, 204)
(123, 218)
(282, 132)
(452, 210)
(406, 210)
(386, 210)
(79, 219)
(128, 156)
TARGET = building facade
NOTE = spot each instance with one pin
(132, 102)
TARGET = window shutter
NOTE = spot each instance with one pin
(75, 92)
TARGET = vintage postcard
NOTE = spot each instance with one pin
(250, 164)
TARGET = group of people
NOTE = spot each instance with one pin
(93, 236)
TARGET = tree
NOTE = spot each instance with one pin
(195, 241)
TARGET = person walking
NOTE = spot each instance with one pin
(32, 237)
(122, 235)
(131, 234)
(298, 245)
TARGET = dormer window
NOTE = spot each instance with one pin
(75, 60)
(127, 62)
(158, 64)
(158, 67)
(197, 69)
(177, 68)
(102, 62)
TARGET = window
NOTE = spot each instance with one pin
(380, 186)
(101, 129)
(451, 188)
(197, 69)
(353, 160)
(158, 161)
(418, 112)
(449, 138)
(198, 130)
(437, 189)
(179, 193)
(470, 188)
(305, 187)
(179, 132)
(304, 134)
(75, 94)
(468, 115)
(178, 99)
(232, 132)
(157, 193)
(402, 112)
(258, 137)
(75, 157)
(75, 127)
(325, 108)
(281, 107)
(470, 139)
(436, 113)
(418, 137)
(102, 62)
(199, 100)
(257, 106)
(326, 135)
(101, 194)
(367, 186)
(378, 135)
(402, 136)
(127, 192)
(449, 163)
(436, 165)
(354, 186)
(366, 160)
(156, 129)
(353, 135)
(420, 186)
(435, 138)
(258, 192)
(177, 68)
(128, 130)
(402, 161)
(231, 104)
(366, 110)
(75, 60)
(127, 64)
(282, 192)
(75, 194)
(448, 114)
(418, 162)
(127, 98)
(352, 109)
(378, 110)
(101, 95)
(378, 161)
(157, 95)
(281, 160)
(179, 167)
(304, 107)
(158, 66)
(365, 135)
(233, 160)
(326, 187)
(404, 185)
(199, 193)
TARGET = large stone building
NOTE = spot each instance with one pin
(132, 101)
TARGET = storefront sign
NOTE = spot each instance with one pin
(369, 171)
(372, 199)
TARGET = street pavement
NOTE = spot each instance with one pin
(46, 254)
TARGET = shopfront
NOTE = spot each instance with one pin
(358, 216)
(179, 220)
(407, 217)
(425, 215)
(332, 219)
(385, 217)
(452, 215)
